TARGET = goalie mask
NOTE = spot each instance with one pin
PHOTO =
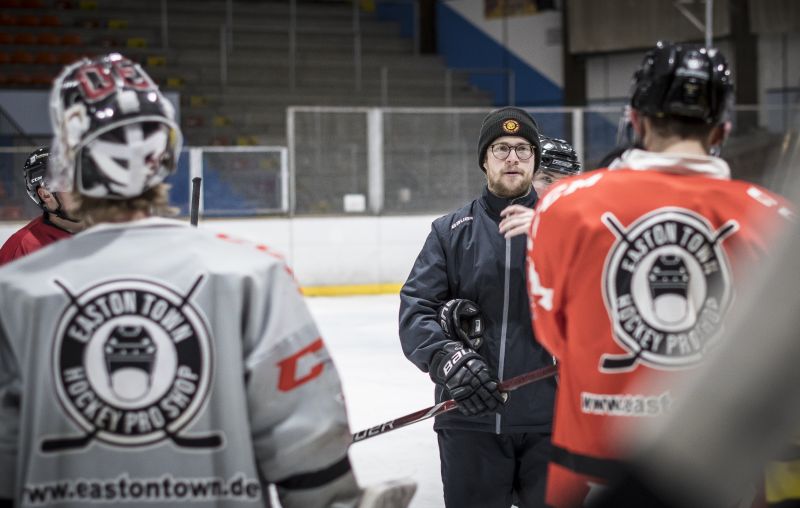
(115, 134)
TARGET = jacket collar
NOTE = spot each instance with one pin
(495, 204)
(675, 163)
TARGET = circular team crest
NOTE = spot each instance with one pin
(132, 362)
(667, 284)
(511, 126)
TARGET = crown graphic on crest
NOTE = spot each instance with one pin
(129, 346)
(669, 275)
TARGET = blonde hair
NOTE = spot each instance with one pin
(152, 202)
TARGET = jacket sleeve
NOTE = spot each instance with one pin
(425, 290)
(547, 280)
(296, 407)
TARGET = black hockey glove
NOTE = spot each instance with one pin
(461, 320)
(467, 378)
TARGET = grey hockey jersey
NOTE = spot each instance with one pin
(154, 364)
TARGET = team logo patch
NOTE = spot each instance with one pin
(132, 365)
(667, 287)
(511, 126)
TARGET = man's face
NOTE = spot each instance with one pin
(48, 198)
(51, 204)
(509, 177)
(544, 179)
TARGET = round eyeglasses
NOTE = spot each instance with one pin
(503, 150)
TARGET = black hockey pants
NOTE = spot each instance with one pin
(487, 470)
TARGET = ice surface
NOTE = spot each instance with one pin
(380, 384)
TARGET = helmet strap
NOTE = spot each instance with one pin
(60, 212)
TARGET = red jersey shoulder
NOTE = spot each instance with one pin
(21, 242)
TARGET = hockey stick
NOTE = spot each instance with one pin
(213, 440)
(195, 205)
(448, 405)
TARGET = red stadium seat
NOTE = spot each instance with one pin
(21, 78)
(71, 40)
(48, 39)
(6, 38)
(42, 79)
(7, 19)
(68, 58)
(22, 57)
(28, 20)
(47, 58)
(10, 4)
(25, 39)
(4, 57)
(32, 4)
(51, 20)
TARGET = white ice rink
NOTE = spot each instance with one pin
(380, 384)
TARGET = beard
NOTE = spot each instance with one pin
(509, 188)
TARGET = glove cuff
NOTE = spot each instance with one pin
(447, 361)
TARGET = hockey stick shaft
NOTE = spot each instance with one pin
(194, 210)
(448, 405)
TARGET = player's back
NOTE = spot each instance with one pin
(644, 265)
(140, 339)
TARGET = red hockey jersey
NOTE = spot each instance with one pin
(31, 237)
(631, 273)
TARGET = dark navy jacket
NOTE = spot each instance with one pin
(465, 256)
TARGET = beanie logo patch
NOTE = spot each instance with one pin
(511, 126)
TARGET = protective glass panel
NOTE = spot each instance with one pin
(241, 182)
(430, 161)
(330, 160)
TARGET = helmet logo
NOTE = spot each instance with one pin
(97, 80)
(511, 126)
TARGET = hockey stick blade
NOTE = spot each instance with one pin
(76, 443)
(448, 405)
(67, 443)
(209, 441)
(620, 362)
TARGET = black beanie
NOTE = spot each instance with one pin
(509, 121)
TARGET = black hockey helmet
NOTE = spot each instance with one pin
(35, 171)
(685, 81)
(559, 156)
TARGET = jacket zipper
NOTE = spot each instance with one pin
(504, 328)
